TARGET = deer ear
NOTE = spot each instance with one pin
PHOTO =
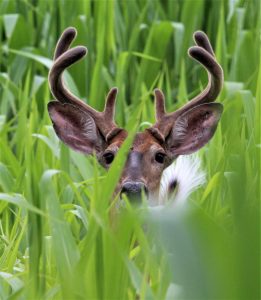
(75, 128)
(194, 128)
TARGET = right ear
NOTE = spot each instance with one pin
(75, 128)
(194, 128)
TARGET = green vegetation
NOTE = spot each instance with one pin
(57, 240)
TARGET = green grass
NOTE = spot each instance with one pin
(57, 240)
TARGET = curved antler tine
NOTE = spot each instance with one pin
(65, 41)
(64, 58)
(204, 54)
(159, 104)
(59, 91)
(201, 39)
(215, 78)
(215, 72)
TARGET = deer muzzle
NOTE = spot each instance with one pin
(133, 190)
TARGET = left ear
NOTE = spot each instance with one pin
(194, 128)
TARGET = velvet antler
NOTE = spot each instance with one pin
(64, 58)
(203, 53)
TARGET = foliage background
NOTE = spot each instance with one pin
(56, 238)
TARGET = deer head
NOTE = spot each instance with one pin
(177, 133)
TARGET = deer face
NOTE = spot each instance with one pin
(146, 161)
(91, 132)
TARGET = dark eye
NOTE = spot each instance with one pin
(108, 157)
(160, 157)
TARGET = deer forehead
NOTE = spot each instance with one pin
(143, 142)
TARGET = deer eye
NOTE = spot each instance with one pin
(108, 157)
(160, 157)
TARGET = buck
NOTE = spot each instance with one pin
(174, 134)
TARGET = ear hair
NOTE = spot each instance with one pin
(194, 128)
(181, 128)
(75, 127)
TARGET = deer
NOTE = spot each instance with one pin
(175, 134)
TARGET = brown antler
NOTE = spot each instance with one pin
(65, 57)
(204, 54)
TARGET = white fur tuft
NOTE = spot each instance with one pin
(187, 173)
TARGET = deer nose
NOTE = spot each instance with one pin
(133, 190)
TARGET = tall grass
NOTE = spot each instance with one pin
(57, 239)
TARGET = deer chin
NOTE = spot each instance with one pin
(151, 198)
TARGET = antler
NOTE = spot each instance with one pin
(65, 57)
(203, 53)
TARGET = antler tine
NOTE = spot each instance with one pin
(202, 40)
(65, 41)
(60, 92)
(64, 58)
(204, 54)
(159, 104)
(109, 107)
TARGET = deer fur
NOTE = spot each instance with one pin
(173, 135)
